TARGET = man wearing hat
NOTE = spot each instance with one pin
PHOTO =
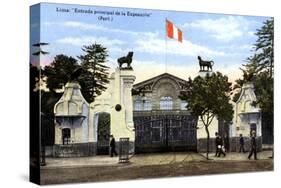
(112, 146)
(253, 146)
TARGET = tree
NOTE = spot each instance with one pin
(264, 93)
(264, 56)
(95, 76)
(59, 71)
(261, 65)
(208, 98)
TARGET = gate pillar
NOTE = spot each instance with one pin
(122, 124)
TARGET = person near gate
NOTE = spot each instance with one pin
(112, 146)
(253, 146)
(221, 149)
(241, 143)
(217, 144)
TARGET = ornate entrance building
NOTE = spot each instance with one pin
(161, 120)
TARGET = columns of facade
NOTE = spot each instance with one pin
(127, 79)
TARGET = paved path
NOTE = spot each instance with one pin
(235, 156)
(81, 161)
(103, 168)
(146, 159)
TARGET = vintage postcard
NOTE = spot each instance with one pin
(123, 93)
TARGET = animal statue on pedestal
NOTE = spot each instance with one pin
(126, 60)
(203, 64)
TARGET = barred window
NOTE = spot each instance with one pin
(66, 135)
(166, 103)
(138, 105)
(146, 105)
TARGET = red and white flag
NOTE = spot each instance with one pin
(173, 32)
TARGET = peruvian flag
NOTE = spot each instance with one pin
(173, 32)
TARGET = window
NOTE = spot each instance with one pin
(138, 105)
(66, 136)
(146, 105)
(166, 103)
(253, 128)
(142, 105)
(183, 105)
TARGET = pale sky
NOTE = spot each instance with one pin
(225, 39)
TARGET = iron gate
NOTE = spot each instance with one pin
(165, 133)
(103, 134)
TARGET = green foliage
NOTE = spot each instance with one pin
(92, 79)
(209, 97)
(260, 68)
(264, 56)
(48, 101)
(59, 71)
(264, 93)
(95, 76)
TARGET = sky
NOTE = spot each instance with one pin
(226, 39)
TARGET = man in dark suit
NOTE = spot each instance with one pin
(112, 146)
(241, 143)
(253, 146)
(220, 146)
(217, 144)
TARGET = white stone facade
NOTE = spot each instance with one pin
(118, 92)
(246, 116)
(74, 113)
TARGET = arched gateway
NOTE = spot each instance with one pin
(103, 133)
(166, 125)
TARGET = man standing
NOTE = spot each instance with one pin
(220, 146)
(241, 143)
(253, 146)
(217, 144)
(112, 146)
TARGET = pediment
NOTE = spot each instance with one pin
(148, 85)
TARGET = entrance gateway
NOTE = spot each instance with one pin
(162, 122)
(165, 132)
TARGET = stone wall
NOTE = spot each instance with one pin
(233, 144)
(79, 150)
(75, 150)
(202, 145)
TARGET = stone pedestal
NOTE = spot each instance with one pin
(203, 74)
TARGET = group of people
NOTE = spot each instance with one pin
(222, 145)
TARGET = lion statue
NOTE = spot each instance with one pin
(126, 60)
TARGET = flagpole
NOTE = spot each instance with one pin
(166, 45)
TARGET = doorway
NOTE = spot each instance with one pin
(103, 133)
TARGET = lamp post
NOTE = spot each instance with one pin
(42, 115)
(42, 146)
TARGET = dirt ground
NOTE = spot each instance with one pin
(129, 171)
